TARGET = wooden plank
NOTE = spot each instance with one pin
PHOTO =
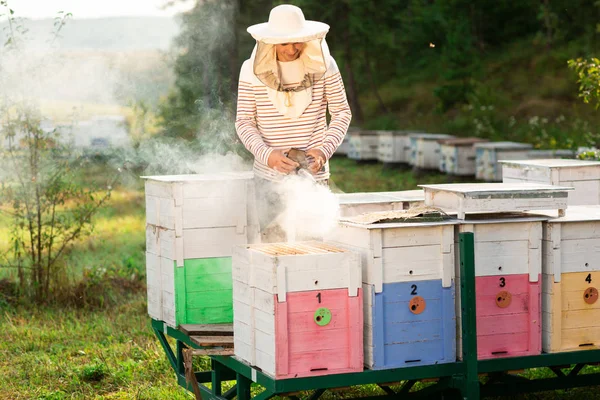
(207, 330)
(213, 341)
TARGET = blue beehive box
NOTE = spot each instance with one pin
(408, 286)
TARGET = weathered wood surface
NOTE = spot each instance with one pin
(363, 146)
(207, 330)
(495, 197)
(488, 154)
(400, 252)
(425, 150)
(352, 204)
(394, 147)
(583, 176)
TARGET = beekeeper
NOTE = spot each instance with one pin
(285, 89)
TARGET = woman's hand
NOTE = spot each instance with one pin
(317, 160)
(280, 163)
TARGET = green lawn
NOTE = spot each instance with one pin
(106, 349)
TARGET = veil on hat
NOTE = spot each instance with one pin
(287, 25)
(314, 56)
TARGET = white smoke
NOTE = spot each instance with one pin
(310, 210)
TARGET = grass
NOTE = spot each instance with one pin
(109, 351)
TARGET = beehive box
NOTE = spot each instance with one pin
(408, 284)
(487, 156)
(344, 148)
(571, 277)
(298, 309)
(495, 197)
(352, 204)
(458, 156)
(583, 176)
(508, 261)
(548, 154)
(425, 150)
(394, 147)
(193, 222)
(363, 145)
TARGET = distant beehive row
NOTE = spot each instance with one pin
(378, 292)
(451, 155)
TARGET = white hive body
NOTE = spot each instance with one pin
(487, 156)
(394, 147)
(583, 176)
(359, 203)
(192, 224)
(495, 197)
(457, 156)
(425, 150)
(364, 145)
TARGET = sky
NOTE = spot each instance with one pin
(37, 9)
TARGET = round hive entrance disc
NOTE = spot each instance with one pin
(503, 299)
(322, 316)
(416, 305)
(590, 295)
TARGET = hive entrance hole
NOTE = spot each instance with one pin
(318, 369)
(413, 307)
(495, 353)
(412, 361)
(586, 344)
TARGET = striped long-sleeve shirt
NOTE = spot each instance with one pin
(262, 128)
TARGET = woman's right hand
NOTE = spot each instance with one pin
(280, 163)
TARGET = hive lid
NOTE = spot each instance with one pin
(465, 141)
(219, 176)
(380, 197)
(296, 248)
(551, 163)
(421, 216)
(503, 145)
(498, 189)
(430, 136)
(572, 214)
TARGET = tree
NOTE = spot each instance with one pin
(41, 191)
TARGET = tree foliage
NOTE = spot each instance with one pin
(374, 43)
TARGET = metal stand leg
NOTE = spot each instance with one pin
(469, 325)
(243, 387)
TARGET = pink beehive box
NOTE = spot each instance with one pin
(298, 309)
(508, 261)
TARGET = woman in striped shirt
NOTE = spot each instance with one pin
(285, 90)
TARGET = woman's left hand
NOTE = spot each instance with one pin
(317, 160)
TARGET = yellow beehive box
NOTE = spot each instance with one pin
(570, 280)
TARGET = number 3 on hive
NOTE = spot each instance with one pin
(502, 282)
(588, 278)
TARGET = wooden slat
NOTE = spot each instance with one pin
(213, 341)
(207, 330)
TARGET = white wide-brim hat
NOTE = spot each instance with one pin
(288, 25)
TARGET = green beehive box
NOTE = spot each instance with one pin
(192, 224)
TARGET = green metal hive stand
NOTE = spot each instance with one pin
(458, 380)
